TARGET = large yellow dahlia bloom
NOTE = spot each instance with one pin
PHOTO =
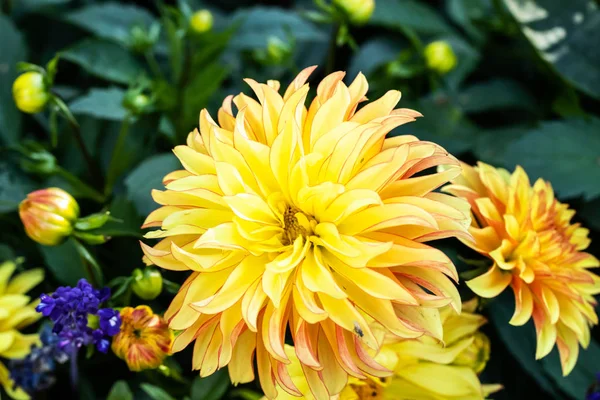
(537, 251)
(307, 221)
(16, 312)
(424, 368)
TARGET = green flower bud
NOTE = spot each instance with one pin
(357, 11)
(147, 284)
(30, 92)
(201, 21)
(141, 39)
(278, 50)
(440, 57)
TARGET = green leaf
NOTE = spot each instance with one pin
(101, 103)
(155, 392)
(110, 20)
(14, 186)
(443, 122)
(205, 82)
(65, 262)
(579, 380)
(589, 212)
(564, 34)
(372, 54)
(408, 14)
(12, 50)
(562, 152)
(520, 341)
(259, 23)
(147, 176)
(212, 387)
(496, 94)
(120, 391)
(105, 60)
(490, 145)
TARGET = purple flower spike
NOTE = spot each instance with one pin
(70, 307)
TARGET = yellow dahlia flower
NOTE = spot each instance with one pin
(424, 369)
(144, 340)
(537, 251)
(16, 312)
(305, 220)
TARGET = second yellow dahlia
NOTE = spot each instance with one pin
(537, 251)
(305, 221)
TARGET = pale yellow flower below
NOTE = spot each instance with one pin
(17, 311)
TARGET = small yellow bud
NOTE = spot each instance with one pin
(358, 11)
(476, 355)
(201, 21)
(147, 284)
(30, 92)
(440, 57)
(48, 215)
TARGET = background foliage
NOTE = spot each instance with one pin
(525, 90)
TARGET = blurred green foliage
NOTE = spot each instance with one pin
(525, 90)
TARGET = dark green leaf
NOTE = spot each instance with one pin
(14, 186)
(490, 145)
(147, 176)
(562, 152)
(155, 392)
(65, 262)
(105, 59)
(12, 50)
(496, 94)
(443, 123)
(520, 341)
(196, 94)
(578, 381)
(467, 57)
(259, 23)
(120, 391)
(590, 212)
(373, 54)
(565, 35)
(101, 103)
(212, 387)
(110, 20)
(408, 14)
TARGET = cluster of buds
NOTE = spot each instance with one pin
(51, 215)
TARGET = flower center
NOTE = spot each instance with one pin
(296, 223)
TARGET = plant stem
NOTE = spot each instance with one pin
(113, 168)
(329, 67)
(153, 64)
(84, 189)
(74, 373)
(76, 129)
(93, 268)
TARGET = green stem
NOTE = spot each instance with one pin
(113, 168)
(84, 189)
(330, 65)
(93, 268)
(153, 64)
(76, 129)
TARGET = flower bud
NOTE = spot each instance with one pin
(440, 57)
(30, 92)
(147, 284)
(48, 215)
(278, 50)
(476, 355)
(357, 11)
(201, 21)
